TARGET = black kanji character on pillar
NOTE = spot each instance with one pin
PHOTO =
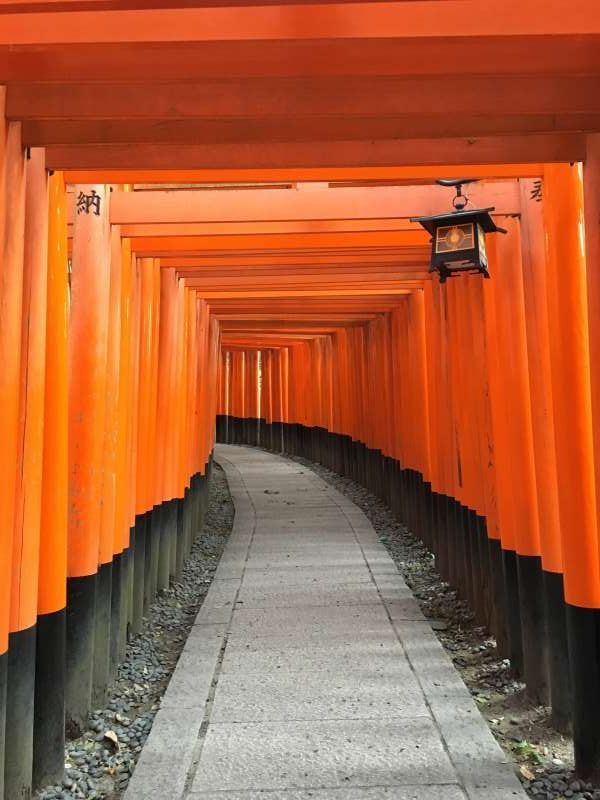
(88, 202)
(536, 192)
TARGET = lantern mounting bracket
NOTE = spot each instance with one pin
(461, 200)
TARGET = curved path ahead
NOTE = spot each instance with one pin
(310, 673)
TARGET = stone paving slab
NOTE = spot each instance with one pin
(310, 672)
(299, 595)
(312, 551)
(356, 693)
(306, 622)
(318, 515)
(305, 576)
(258, 655)
(289, 702)
(430, 792)
(324, 753)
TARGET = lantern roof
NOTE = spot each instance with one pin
(478, 215)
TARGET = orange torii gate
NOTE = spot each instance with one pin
(306, 312)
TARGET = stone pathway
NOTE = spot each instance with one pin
(310, 673)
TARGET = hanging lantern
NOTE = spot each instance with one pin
(458, 237)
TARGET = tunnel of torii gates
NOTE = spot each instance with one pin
(205, 226)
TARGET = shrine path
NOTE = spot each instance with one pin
(311, 673)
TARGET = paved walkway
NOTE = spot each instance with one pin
(310, 673)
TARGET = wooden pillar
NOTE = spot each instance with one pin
(591, 189)
(266, 410)
(504, 560)
(165, 462)
(277, 401)
(144, 563)
(88, 342)
(12, 210)
(463, 485)
(29, 464)
(513, 340)
(137, 521)
(123, 571)
(108, 579)
(49, 728)
(104, 586)
(251, 390)
(574, 439)
(431, 367)
(227, 395)
(538, 348)
(214, 338)
(179, 413)
(238, 390)
(494, 589)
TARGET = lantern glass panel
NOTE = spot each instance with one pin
(451, 238)
(483, 259)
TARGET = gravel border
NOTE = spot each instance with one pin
(543, 758)
(99, 764)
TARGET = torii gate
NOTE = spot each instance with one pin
(352, 94)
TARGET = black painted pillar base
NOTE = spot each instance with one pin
(474, 564)
(558, 652)
(483, 599)
(453, 543)
(174, 514)
(204, 483)
(499, 603)
(116, 600)
(152, 548)
(534, 630)
(441, 535)
(180, 555)
(583, 625)
(124, 605)
(464, 523)
(164, 555)
(139, 573)
(192, 500)
(49, 711)
(18, 755)
(198, 506)
(101, 674)
(187, 524)
(221, 428)
(81, 610)
(226, 432)
(194, 506)
(208, 474)
(252, 431)
(130, 576)
(202, 499)
(148, 564)
(279, 437)
(3, 677)
(515, 633)
(265, 435)
(427, 513)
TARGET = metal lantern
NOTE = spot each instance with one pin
(458, 238)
